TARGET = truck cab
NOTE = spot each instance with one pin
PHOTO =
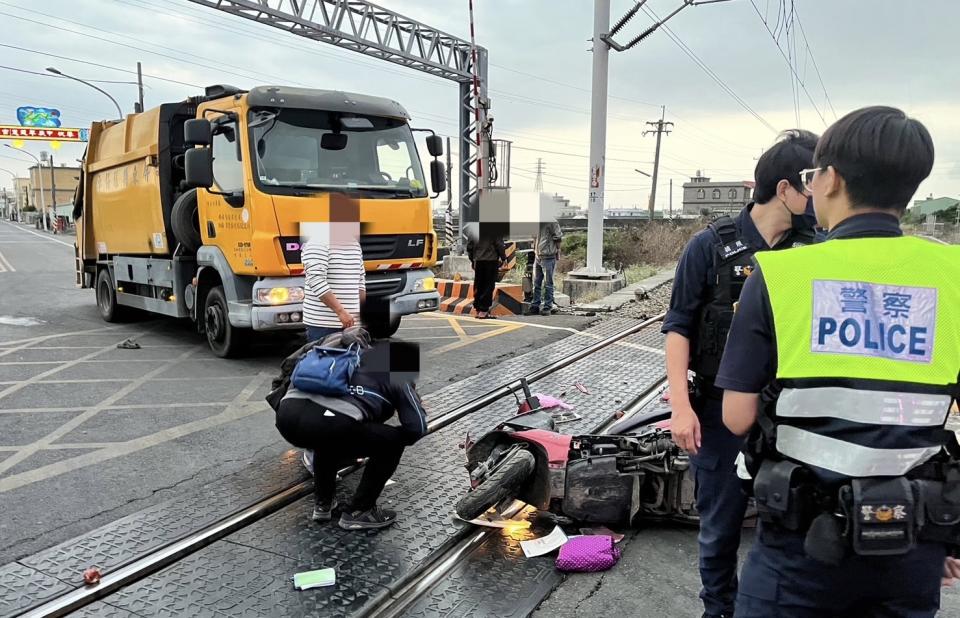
(245, 171)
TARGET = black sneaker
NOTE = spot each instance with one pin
(546, 311)
(533, 310)
(323, 511)
(367, 520)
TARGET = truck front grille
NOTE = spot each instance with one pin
(393, 246)
(384, 284)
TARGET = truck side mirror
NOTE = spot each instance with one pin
(434, 145)
(438, 176)
(197, 132)
(198, 167)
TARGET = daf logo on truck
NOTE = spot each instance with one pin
(225, 291)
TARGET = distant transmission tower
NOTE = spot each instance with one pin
(538, 184)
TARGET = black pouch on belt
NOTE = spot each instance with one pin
(941, 507)
(883, 516)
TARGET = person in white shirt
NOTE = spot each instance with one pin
(334, 272)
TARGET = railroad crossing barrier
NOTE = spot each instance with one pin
(457, 297)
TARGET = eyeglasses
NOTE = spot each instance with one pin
(806, 177)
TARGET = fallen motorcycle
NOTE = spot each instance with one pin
(635, 469)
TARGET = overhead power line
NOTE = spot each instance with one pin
(42, 74)
(706, 69)
(816, 67)
(95, 64)
(787, 27)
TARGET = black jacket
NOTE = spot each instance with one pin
(374, 390)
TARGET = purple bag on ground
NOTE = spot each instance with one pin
(588, 553)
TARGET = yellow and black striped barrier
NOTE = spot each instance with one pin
(457, 297)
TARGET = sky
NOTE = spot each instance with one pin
(849, 54)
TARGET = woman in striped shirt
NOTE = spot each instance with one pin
(335, 282)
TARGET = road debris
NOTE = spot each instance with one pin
(91, 576)
(128, 344)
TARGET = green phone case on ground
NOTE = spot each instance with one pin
(314, 579)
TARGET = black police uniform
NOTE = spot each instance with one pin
(783, 579)
(709, 277)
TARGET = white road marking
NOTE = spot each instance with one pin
(43, 236)
(7, 320)
(40, 376)
(31, 340)
(78, 420)
(5, 264)
(236, 410)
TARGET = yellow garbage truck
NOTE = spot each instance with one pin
(193, 209)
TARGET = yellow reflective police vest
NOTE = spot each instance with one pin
(868, 352)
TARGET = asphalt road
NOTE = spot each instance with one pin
(90, 433)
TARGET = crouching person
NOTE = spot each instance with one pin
(341, 429)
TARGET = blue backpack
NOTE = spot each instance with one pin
(326, 371)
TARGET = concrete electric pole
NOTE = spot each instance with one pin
(602, 44)
(659, 130)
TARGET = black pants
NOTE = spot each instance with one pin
(484, 282)
(336, 441)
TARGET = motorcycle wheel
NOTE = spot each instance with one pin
(505, 479)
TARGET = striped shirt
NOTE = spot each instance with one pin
(331, 268)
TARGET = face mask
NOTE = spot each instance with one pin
(806, 221)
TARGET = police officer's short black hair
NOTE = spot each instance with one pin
(880, 153)
(792, 152)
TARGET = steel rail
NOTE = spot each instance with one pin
(165, 555)
(420, 581)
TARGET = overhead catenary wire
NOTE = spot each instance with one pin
(816, 67)
(706, 69)
(786, 57)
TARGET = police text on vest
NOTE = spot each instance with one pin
(870, 319)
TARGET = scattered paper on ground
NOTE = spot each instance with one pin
(545, 544)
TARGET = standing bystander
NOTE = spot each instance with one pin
(333, 268)
(546, 251)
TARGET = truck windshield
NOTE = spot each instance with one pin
(296, 148)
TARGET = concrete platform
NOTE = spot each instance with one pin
(617, 299)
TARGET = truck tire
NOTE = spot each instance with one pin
(107, 304)
(185, 221)
(503, 482)
(384, 330)
(224, 338)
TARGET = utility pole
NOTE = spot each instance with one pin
(659, 130)
(538, 184)
(598, 137)
(139, 106)
(671, 198)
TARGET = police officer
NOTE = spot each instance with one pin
(710, 274)
(846, 355)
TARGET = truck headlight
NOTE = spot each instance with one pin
(427, 284)
(279, 296)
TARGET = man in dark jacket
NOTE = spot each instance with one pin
(486, 254)
(344, 429)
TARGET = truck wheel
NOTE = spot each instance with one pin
(384, 330)
(223, 338)
(504, 481)
(110, 311)
(185, 221)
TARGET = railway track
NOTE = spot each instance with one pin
(411, 586)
